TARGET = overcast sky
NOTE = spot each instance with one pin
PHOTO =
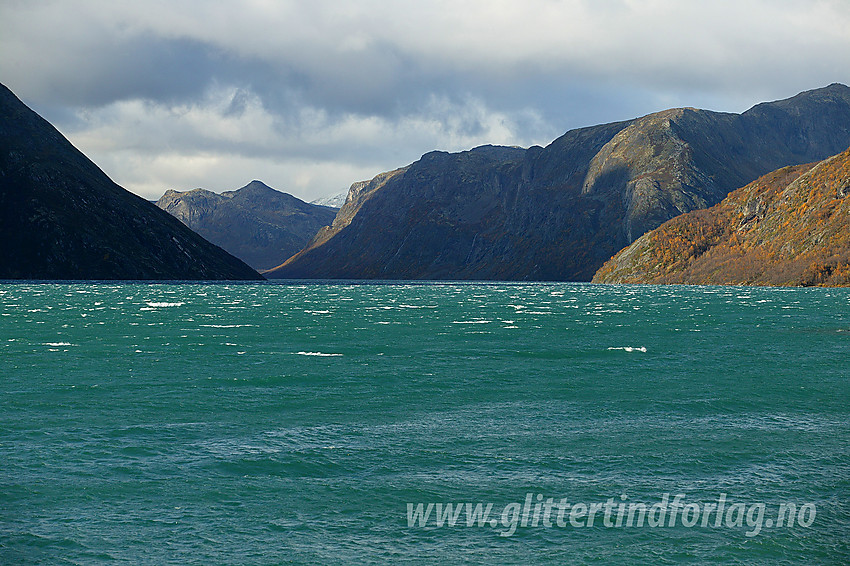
(312, 95)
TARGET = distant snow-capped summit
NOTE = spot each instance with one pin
(333, 201)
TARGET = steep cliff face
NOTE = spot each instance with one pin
(651, 168)
(559, 212)
(62, 218)
(467, 216)
(790, 227)
(256, 223)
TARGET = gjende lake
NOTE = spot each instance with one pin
(423, 423)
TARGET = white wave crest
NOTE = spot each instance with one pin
(316, 354)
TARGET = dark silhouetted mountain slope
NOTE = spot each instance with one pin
(62, 218)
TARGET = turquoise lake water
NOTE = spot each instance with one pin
(277, 424)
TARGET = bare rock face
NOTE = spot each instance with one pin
(62, 218)
(256, 223)
(789, 227)
(559, 212)
(655, 169)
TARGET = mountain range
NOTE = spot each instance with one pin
(61, 217)
(559, 212)
(257, 224)
(789, 227)
(498, 213)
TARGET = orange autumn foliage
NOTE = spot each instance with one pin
(789, 227)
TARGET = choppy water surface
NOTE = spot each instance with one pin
(261, 424)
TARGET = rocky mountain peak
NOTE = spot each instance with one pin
(256, 223)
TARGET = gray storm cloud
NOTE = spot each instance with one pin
(311, 96)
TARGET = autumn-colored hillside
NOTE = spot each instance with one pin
(789, 227)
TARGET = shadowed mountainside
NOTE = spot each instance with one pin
(257, 224)
(559, 212)
(62, 218)
(789, 227)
